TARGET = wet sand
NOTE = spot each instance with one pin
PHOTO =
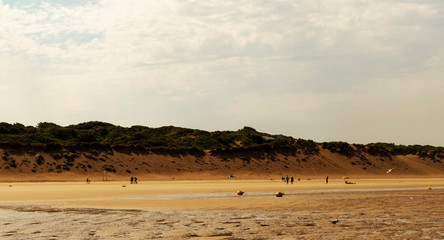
(370, 209)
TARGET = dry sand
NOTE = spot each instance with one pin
(370, 209)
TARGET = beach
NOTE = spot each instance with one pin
(402, 208)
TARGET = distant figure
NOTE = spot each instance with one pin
(135, 179)
(326, 180)
(292, 179)
(132, 179)
(299, 179)
(287, 179)
(283, 179)
(88, 181)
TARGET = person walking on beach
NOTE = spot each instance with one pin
(292, 179)
(132, 180)
(326, 180)
(135, 179)
(287, 179)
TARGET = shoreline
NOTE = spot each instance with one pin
(200, 194)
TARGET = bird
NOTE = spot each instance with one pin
(335, 221)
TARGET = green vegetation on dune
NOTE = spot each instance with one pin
(245, 140)
(384, 150)
(105, 133)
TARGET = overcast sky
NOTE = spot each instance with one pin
(359, 71)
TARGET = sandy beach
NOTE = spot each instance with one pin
(400, 208)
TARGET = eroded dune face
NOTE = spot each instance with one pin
(78, 162)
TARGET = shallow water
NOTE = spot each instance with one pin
(288, 194)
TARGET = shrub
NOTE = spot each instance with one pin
(342, 148)
(109, 168)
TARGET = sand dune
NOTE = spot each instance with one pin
(77, 166)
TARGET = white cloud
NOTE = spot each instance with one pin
(219, 65)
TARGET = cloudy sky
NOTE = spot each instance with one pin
(359, 71)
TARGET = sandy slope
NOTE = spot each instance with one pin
(77, 166)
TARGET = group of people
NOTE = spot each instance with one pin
(133, 180)
(291, 179)
(288, 179)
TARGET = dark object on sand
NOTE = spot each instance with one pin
(335, 221)
(279, 194)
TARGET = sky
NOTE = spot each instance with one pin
(359, 71)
